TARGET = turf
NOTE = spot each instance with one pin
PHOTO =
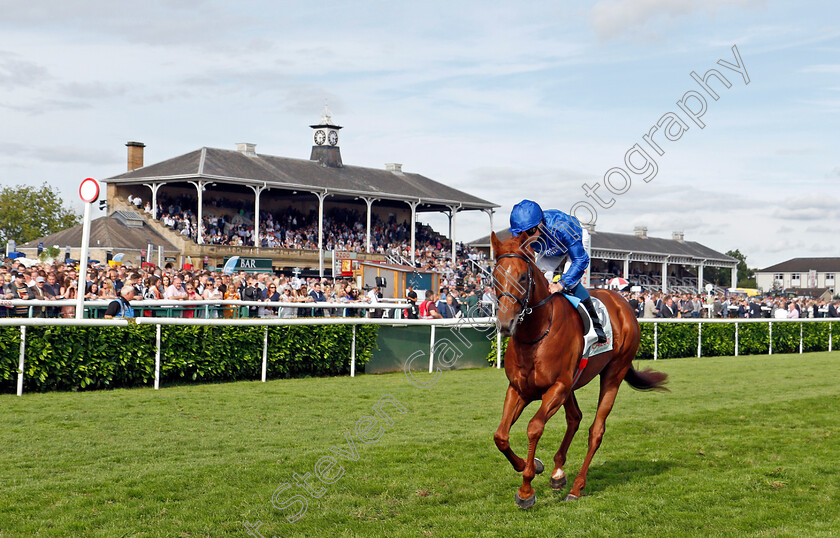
(742, 446)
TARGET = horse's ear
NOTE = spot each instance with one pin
(494, 240)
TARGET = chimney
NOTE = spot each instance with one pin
(640, 231)
(247, 148)
(589, 226)
(678, 236)
(135, 155)
(396, 168)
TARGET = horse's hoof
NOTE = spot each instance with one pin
(525, 503)
(539, 466)
(557, 484)
(570, 497)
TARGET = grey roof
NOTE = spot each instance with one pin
(230, 166)
(803, 265)
(633, 243)
(106, 233)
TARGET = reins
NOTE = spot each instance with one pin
(523, 302)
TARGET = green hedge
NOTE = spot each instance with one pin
(76, 358)
(680, 339)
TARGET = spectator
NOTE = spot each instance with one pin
(120, 307)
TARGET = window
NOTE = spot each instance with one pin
(829, 278)
(779, 277)
(794, 278)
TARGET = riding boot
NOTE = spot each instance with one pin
(596, 322)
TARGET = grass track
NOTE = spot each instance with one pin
(741, 446)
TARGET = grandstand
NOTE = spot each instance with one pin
(657, 264)
(222, 190)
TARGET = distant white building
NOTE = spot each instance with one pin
(807, 273)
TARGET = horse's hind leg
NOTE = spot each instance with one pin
(573, 417)
(514, 404)
(610, 382)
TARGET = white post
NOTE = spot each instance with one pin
(432, 350)
(257, 191)
(801, 325)
(736, 338)
(770, 349)
(413, 228)
(321, 196)
(157, 358)
(699, 338)
(490, 212)
(199, 186)
(655, 340)
(453, 210)
(83, 262)
(369, 202)
(265, 354)
(700, 278)
(626, 272)
(829, 336)
(735, 277)
(353, 354)
(154, 187)
(160, 256)
(22, 353)
(498, 348)
(665, 275)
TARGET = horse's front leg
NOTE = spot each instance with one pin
(552, 399)
(514, 404)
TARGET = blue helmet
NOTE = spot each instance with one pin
(525, 215)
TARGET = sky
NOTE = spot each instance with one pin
(502, 100)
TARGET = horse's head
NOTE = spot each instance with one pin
(513, 280)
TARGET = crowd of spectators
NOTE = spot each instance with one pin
(659, 305)
(60, 281)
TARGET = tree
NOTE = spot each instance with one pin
(28, 212)
(746, 276)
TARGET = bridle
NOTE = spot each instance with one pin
(523, 302)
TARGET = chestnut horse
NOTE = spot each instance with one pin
(543, 354)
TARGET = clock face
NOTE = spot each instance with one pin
(333, 138)
(320, 137)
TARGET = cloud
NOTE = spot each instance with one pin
(48, 105)
(613, 18)
(59, 154)
(817, 206)
(16, 73)
(822, 68)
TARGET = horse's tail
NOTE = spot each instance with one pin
(647, 379)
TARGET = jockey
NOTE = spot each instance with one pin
(554, 236)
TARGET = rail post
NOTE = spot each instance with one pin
(770, 349)
(157, 358)
(499, 348)
(736, 338)
(353, 354)
(801, 325)
(20, 365)
(699, 338)
(655, 340)
(432, 350)
(265, 354)
(829, 336)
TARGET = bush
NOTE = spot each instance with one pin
(82, 358)
(680, 339)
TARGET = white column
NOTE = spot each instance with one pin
(626, 272)
(321, 196)
(453, 212)
(257, 191)
(413, 227)
(700, 278)
(734, 277)
(154, 187)
(490, 213)
(665, 275)
(83, 263)
(369, 202)
(199, 187)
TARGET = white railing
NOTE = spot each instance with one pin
(459, 323)
(736, 321)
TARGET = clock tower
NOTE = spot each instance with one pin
(325, 141)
